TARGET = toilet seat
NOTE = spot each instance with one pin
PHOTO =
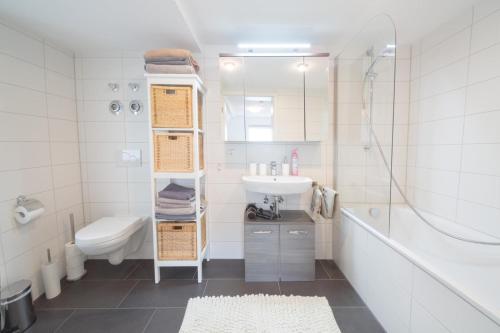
(108, 229)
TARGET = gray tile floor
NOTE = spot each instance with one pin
(125, 299)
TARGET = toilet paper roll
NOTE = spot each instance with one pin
(24, 214)
(74, 262)
(51, 282)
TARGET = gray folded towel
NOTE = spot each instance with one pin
(191, 217)
(177, 192)
(170, 61)
(166, 201)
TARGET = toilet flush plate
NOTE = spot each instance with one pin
(129, 158)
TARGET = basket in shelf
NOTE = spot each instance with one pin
(174, 152)
(171, 106)
(200, 110)
(177, 240)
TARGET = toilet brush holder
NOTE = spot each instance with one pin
(75, 269)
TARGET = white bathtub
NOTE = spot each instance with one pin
(418, 280)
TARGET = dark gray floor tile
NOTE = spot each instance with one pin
(224, 269)
(338, 292)
(166, 321)
(103, 270)
(167, 293)
(331, 268)
(320, 272)
(356, 320)
(240, 287)
(47, 321)
(89, 294)
(145, 271)
(109, 321)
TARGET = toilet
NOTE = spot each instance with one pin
(112, 237)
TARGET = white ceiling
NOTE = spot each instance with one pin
(135, 25)
(102, 25)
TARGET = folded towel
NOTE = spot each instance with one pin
(175, 211)
(165, 52)
(170, 217)
(177, 192)
(166, 201)
(169, 69)
(172, 205)
(175, 217)
(171, 61)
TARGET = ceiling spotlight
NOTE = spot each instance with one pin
(302, 67)
(229, 65)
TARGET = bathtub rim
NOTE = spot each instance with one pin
(420, 264)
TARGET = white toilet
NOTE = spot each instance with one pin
(113, 237)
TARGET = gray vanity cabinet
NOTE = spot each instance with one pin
(280, 250)
(297, 252)
(262, 252)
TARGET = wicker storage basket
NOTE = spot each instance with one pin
(200, 110)
(171, 106)
(177, 240)
(201, 151)
(173, 152)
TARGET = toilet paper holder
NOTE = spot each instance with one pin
(27, 210)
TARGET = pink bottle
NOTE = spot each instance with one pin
(295, 162)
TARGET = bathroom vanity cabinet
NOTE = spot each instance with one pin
(280, 250)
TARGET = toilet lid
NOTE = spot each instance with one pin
(108, 228)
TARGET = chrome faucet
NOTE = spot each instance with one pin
(274, 168)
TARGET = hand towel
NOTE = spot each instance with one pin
(178, 192)
(316, 201)
(328, 202)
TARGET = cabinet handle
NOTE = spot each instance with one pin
(262, 232)
(298, 232)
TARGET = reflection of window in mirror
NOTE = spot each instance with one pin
(260, 133)
(259, 117)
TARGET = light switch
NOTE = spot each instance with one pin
(129, 158)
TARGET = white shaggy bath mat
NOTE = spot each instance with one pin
(259, 313)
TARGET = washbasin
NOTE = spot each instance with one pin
(277, 185)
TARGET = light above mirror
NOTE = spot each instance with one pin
(302, 67)
(274, 46)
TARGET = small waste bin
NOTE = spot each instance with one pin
(17, 306)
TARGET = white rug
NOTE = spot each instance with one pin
(259, 313)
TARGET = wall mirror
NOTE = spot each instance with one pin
(274, 99)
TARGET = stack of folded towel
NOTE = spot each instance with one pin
(176, 202)
(170, 61)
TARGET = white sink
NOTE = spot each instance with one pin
(277, 185)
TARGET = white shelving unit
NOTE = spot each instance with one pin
(198, 175)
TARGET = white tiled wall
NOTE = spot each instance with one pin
(454, 141)
(110, 189)
(39, 153)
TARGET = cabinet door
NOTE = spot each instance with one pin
(261, 252)
(297, 252)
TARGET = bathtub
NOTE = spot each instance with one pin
(415, 279)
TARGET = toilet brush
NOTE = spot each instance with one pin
(50, 276)
(74, 257)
